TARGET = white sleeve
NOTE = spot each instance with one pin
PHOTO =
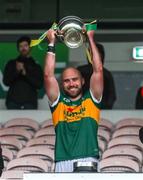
(55, 102)
(94, 99)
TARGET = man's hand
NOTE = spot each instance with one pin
(51, 35)
(20, 67)
(90, 34)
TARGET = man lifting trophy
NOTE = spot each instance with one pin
(75, 114)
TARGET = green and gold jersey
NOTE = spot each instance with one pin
(76, 125)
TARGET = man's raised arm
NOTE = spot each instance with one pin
(96, 81)
(51, 84)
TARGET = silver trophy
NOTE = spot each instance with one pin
(70, 31)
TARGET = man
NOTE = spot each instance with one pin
(139, 98)
(109, 91)
(1, 161)
(24, 77)
(75, 115)
(141, 134)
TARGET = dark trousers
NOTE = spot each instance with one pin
(13, 105)
(0, 172)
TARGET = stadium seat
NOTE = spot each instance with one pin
(47, 123)
(129, 122)
(105, 135)
(12, 143)
(34, 151)
(118, 164)
(126, 131)
(13, 174)
(124, 152)
(40, 152)
(27, 123)
(7, 155)
(17, 132)
(45, 131)
(106, 124)
(102, 145)
(48, 141)
(129, 141)
(30, 164)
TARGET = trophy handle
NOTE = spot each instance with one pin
(60, 35)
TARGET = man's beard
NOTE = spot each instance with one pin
(24, 53)
(78, 92)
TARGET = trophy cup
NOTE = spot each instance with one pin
(70, 31)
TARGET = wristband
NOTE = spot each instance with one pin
(90, 27)
(51, 49)
(51, 44)
(51, 53)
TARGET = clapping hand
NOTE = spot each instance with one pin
(20, 67)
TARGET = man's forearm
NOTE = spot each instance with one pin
(96, 59)
(49, 65)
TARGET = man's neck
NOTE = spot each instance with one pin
(26, 56)
(76, 98)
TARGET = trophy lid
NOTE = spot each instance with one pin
(71, 30)
(70, 21)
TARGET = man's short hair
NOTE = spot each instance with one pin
(22, 39)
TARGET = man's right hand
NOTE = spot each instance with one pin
(51, 35)
(20, 67)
